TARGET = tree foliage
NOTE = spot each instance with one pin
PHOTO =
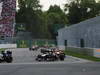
(56, 18)
(79, 10)
(29, 13)
(44, 24)
(40, 23)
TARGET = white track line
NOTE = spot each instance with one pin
(36, 63)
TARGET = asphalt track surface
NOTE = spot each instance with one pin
(23, 55)
(51, 69)
(24, 64)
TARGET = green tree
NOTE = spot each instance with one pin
(79, 10)
(41, 24)
(29, 13)
(55, 18)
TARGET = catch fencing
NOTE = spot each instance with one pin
(39, 42)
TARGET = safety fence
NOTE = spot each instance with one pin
(39, 42)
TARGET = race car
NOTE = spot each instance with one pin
(35, 47)
(6, 57)
(46, 57)
(51, 56)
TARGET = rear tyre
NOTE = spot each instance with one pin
(9, 59)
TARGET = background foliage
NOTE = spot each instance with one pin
(44, 24)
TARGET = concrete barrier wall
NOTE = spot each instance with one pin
(96, 52)
(85, 51)
(8, 45)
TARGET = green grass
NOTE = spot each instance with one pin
(2, 49)
(84, 56)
